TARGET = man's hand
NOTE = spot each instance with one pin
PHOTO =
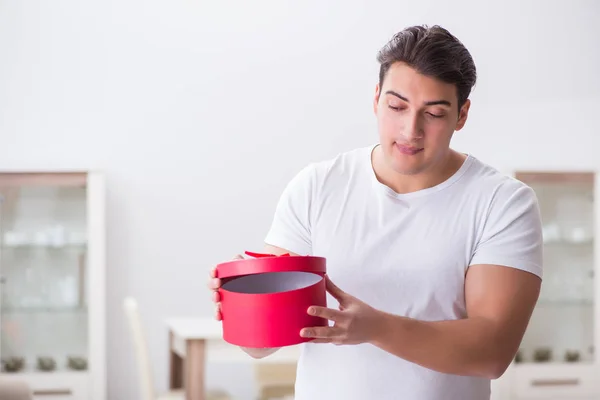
(355, 322)
(214, 284)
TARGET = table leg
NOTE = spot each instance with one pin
(175, 366)
(194, 369)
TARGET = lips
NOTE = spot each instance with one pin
(409, 150)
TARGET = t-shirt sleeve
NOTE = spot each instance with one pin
(291, 225)
(512, 234)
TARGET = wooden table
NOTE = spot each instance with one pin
(193, 342)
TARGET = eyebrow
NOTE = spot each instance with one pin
(427, 103)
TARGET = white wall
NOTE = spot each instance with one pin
(200, 111)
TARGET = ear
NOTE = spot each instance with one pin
(462, 115)
(376, 99)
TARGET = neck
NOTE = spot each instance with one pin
(403, 184)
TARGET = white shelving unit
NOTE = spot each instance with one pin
(559, 358)
(52, 283)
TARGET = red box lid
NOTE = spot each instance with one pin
(262, 263)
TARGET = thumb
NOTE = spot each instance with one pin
(335, 291)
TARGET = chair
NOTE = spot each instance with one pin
(275, 380)
(143, 360)
(14, 390)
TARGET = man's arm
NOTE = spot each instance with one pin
(499, 301)
(264, 352)
(501, 289)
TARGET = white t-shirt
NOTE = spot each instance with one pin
(405, 254)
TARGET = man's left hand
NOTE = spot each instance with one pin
(355, 322)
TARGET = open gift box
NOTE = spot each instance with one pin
(265, 299)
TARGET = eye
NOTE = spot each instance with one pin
(435, 115)
(395, 108)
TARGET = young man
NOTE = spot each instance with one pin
(436, 257)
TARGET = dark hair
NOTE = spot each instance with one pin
(434, 52)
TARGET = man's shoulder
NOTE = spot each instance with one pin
(499, 187)
(342, 165)
(490, 178)
(345, 160)
(334, 171)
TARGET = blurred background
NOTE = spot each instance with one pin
(194, 114)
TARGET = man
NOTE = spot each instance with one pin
(436, 257)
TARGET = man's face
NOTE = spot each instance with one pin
(417, 116)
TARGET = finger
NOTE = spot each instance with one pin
(321, 340)
(321, 332)
(214, 283)
(216, 297)
(218, 315)
(335, 291)
(213, 271)
(327, 313)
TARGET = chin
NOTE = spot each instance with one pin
(405, 166)
(406, 170)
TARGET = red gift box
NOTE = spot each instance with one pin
(265, 299)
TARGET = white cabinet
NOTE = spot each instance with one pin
(551, 381)
(52, 290)
(558, 357)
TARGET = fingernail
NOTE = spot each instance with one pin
(305, 333)
(312, 311)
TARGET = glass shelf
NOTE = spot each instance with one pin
(564, 303)
(30, 367)
(40, 310)
(44, 365)
(37, 247)
(566, 242)
(526, 364)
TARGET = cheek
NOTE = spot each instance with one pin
(437, 133)
(390, 124)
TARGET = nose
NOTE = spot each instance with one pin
(414, 127)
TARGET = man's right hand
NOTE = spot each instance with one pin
(214, 284)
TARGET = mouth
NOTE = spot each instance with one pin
(408, 150)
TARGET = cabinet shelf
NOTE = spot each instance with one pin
(31, 369)
(526, 364)
(566, 242)
(43, 247)
(564, 303)
(43, 310)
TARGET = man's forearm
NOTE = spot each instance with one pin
(468, 346)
